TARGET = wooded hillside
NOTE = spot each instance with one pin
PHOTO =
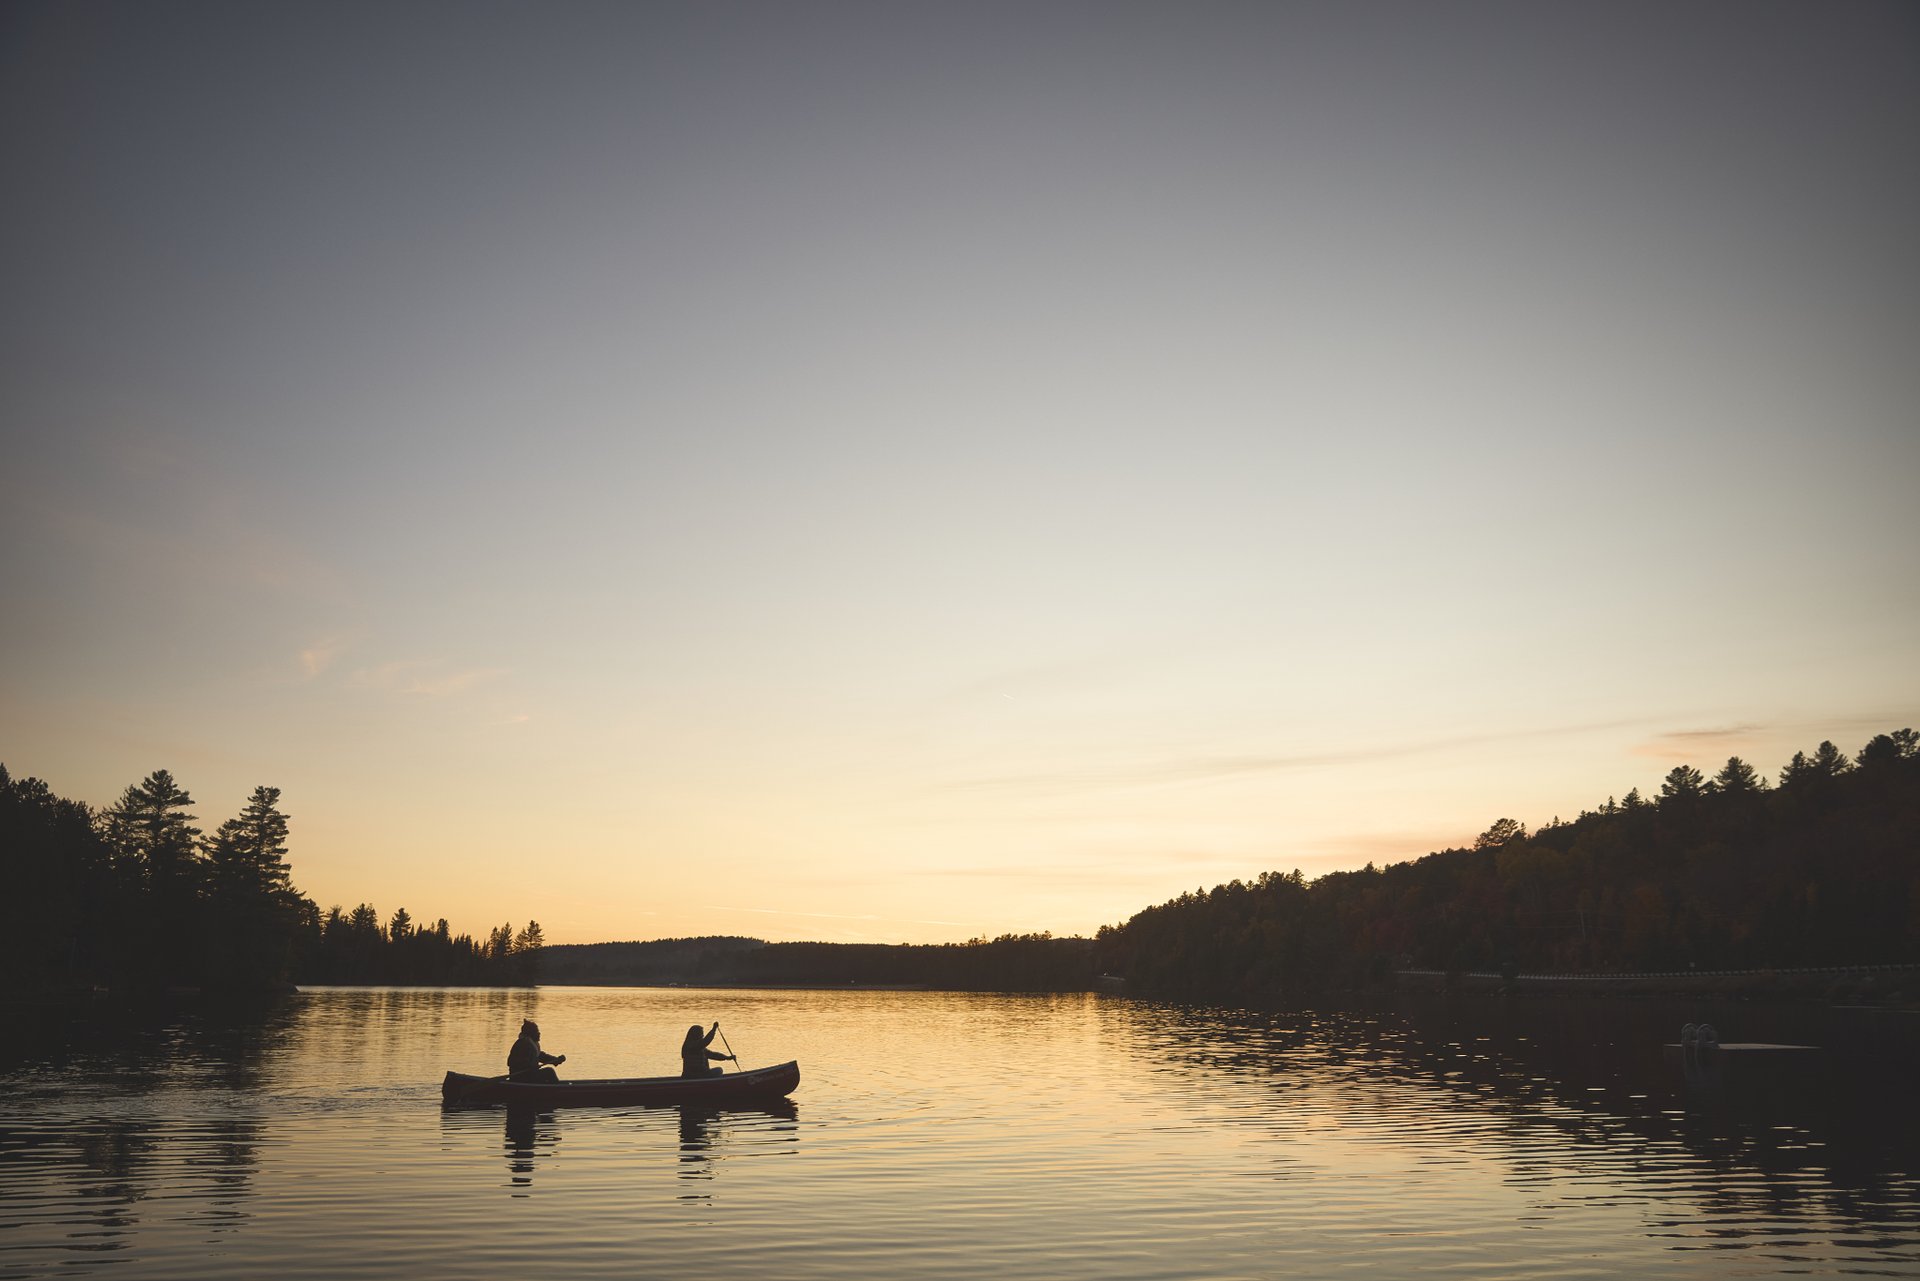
(1721, 872)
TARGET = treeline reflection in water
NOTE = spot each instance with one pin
(960, 1134)
(1583, 1100)
(92, 1148)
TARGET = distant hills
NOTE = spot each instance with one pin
(1011, 963)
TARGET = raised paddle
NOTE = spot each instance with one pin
(730, 1054)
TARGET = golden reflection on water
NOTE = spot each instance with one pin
(944, 1134)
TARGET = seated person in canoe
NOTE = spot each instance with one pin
(694, 1052)
(525, 1059)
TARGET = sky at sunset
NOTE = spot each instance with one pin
(909, 472)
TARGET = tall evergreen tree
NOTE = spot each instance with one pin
(155, 841)
(526, 953)
(1737, 778)
(248, 854)
(1683, 784)
(254, 914)
(150, 828)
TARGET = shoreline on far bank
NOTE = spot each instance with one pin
(1891, 986)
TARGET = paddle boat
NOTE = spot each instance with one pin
(755, 1086)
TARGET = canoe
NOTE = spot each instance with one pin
(745, 1087)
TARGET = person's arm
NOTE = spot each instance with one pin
(717, 1056)
(711, 1033)
(552, 1058)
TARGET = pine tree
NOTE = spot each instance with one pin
(254, 914)
(1683, 784)
(1829, 761)
(248, 855)
(150, 828)
(526, 953)
(155, 843)
(1503, 831)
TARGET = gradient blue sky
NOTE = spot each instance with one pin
(895, 471)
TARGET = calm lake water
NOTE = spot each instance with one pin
(937, 1134)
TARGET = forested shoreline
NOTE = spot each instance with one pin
(1727, 872)
(1010, 963)
(135, 899)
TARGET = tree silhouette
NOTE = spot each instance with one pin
(1885, 751)
(150, 828)
(248, 854)
(1737, 778)
(254, 915)
(1683, 784)
(1502, 831)
(155, 841)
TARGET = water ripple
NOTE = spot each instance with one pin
(1024, 1137)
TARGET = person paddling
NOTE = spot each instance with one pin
(694, 1052)
(524, 1060)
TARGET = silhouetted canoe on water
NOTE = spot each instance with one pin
(757, 1085)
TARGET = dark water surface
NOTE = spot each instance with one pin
(956, 1135)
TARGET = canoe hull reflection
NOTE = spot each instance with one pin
(758, 1085)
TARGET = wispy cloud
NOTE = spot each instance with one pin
(1694, 746)
(1196, 769)
(1686, 744)
(319, 656)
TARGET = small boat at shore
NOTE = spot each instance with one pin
(756, 1086)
